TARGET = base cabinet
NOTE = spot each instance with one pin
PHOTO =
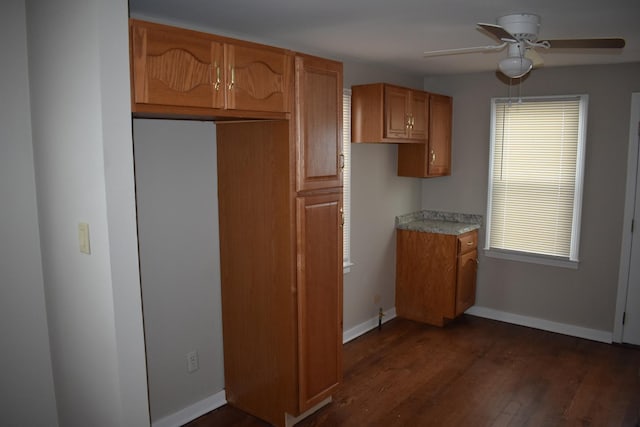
(435, 275)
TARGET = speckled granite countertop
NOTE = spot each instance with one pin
(439, 222)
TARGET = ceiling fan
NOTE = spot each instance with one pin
(519, 34)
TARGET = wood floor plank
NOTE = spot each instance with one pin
(474, 372)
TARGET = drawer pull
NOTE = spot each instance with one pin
(469, 243)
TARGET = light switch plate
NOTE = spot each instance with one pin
(83, 237)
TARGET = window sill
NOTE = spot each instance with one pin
(531, 258)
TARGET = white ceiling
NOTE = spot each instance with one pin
(397, 32)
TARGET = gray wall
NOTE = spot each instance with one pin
(378, 195)
(584, 297)
(26, 388)
(176, 185)
(81, 126)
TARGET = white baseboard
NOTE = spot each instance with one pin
(217, 400)
(545, 325)
(192, 412)
(365, 327)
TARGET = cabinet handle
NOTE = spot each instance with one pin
(233, 77)
(218, 81)
(341, 217)
(433, 157)
(341, 161)
(413, 121)
(407, 121)
(469, 243)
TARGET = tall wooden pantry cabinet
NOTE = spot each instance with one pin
(281, 251)
(280, 205)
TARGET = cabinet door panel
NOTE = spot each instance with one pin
(173, 67)
(319, 120)
(257, 267)
(425, 276)
(257, 78)
(466, 286)
(319, 296)
(419, 115)
(440, 121)
(396, 112)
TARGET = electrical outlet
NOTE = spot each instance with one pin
(192, 361)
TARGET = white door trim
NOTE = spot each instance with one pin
(625, 252)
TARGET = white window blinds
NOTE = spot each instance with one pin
(346, 175)
(535, 182)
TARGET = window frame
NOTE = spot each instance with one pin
(346, 180)
(531, 257)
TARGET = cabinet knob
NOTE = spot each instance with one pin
(433, 157)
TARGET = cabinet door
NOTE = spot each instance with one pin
(440, 121)
(466, 283)
(258, 78)
(433, 158)
(173, 67)
(425, 276)
(319, 123)
(319, 296)
(396, 104)
(419, 125)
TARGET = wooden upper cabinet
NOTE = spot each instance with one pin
(318, 123)
(257, 78)
(388, 114)
(174, 69)
(440, 122)
(434, 158)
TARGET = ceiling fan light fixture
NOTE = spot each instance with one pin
(515, 66)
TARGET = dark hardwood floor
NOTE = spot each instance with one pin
(474, 372)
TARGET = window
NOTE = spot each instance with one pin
(535, 179)
(346, 178)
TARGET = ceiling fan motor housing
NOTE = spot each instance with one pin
(523, 26)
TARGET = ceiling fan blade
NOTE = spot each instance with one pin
(535, 57)
(460, 50)
(608, 43)
(498, 32)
